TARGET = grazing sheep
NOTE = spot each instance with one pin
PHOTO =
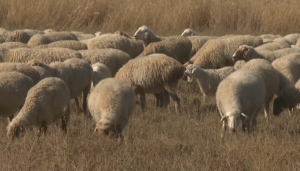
(43, 72)
(16, 36)
(198, 42)
(188, 32)
(13, 87)
(240, 96)
(153, 74)
(273, 46)
(70, 44)
(111, 104)
(217, 53)
(44, 55)
(100, 71)
(177, 47)
(21, 68)
(145, 34)
(270, 76)
(207, 79)
(115, 41)
(46, 102)
(114, 59)
(13, 45)
(42, 39)
(77, 73)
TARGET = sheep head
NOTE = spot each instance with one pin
(241, 53)
(232, 119)
(190, 71)
(280, 105)
(142, 33)
(188, 32)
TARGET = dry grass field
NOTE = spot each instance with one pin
(157, 139)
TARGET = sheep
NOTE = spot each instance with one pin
(239, 64)
(114, 59)
(41, 39)
(198, 42)
(268, 37)
(32, 32)
(240, 96)
(145, 34)
(111, 104)
(77, 73)
(13, 87)
(70, 44)
(46, 102)
(115, 41)
(188, 32)
(122, 34)
(100, 71)
(246, 53)
(45, 55)
(217, 53)
(82, 36)
(177, 47)
(207, 79)
(21, 68)
(274, 46)
(16, 36)
(292, 38)
(42, 72)
(153, 74)
(13, 45)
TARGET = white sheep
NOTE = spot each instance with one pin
(45, 55)
(207, 79)
(188, 32)
(100, 71)
(145, 34)
(13, 87)
(46, 102)
(177, 47)
(240, 96)
(217, 53)
(111, 104)
(153, 74)
(77, 73)
(41, 39)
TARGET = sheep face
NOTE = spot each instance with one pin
(188, 32)
(142, 33)
(189, 72)
(232, 119)
(15, 131)
(241, 54)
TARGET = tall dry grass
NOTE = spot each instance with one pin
(163, 16)
(160, 140)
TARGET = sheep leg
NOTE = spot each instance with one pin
(246, 125)
(165, 99)
(77, 106)
(177, 101)
(64, 124)
(142, 97)
(84, 103)
(223, 128)
(157, 99)
(42, 129)
(267, 107)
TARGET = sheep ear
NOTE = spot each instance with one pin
(242, 114)
(146, 35)
(193, 70)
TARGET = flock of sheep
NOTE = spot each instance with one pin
(41, 71)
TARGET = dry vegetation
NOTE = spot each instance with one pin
(158, 140)
(208, 16)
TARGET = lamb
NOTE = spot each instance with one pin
(100, 72)
(21, 68)
(207, 79)
(45, 55)
(177, 47)
(111, 104)
(77, 73)
(188, 32)
(13, 87)
(240, 96)
(145, 34)
(41, 39)
(217, 53)
(273, 46)
(46, 102)
(198, 42)
(153, 74)
(114, 59)
(115, 41)
(70, 44)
